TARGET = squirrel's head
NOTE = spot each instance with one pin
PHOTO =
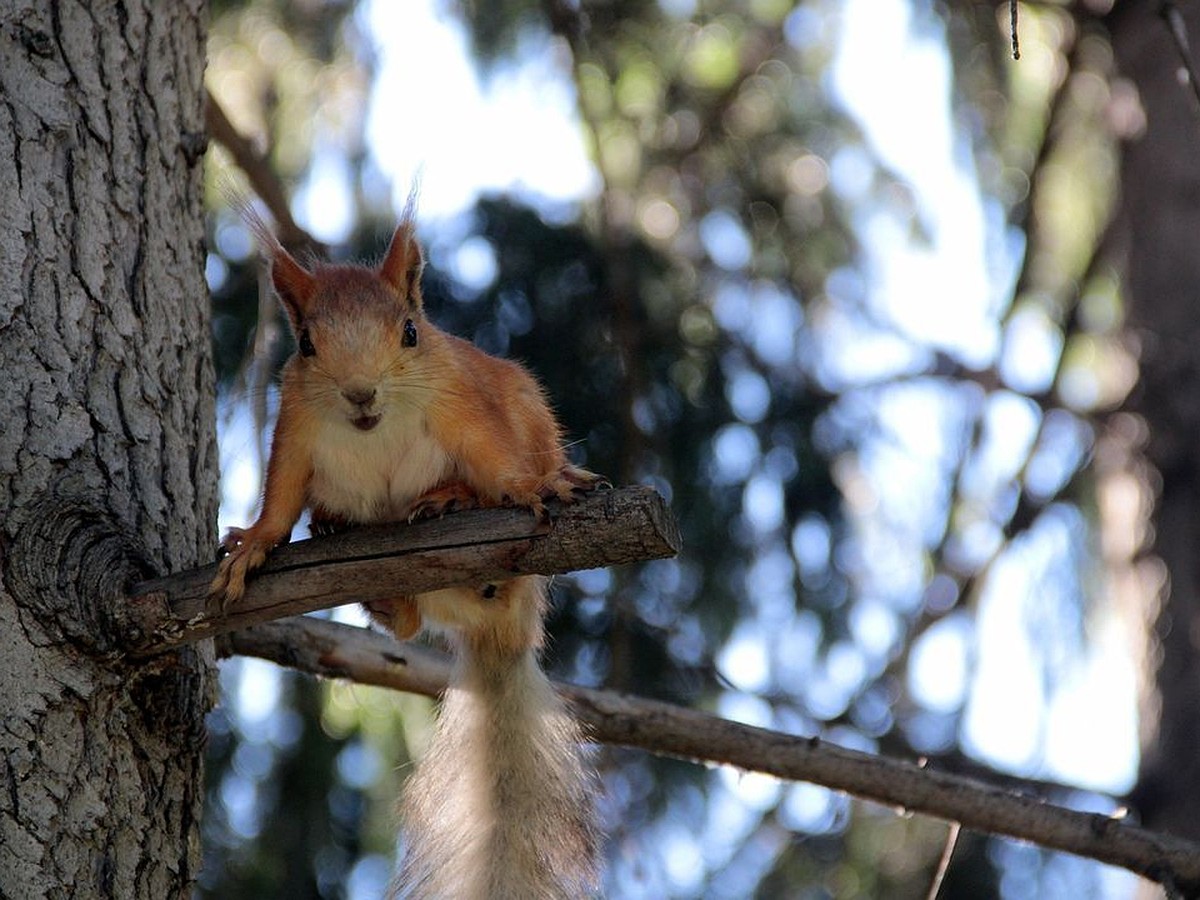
(358, 329)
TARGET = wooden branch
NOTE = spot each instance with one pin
(259, 173)
(385, 562)
(341, 651)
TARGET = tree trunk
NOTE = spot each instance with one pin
(1161, 189)
(107, 449)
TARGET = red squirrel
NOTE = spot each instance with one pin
(383, 418)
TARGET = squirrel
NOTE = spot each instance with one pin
(385, 418)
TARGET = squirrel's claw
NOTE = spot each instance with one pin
(232, 540)
(571, 484)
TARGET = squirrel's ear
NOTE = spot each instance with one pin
(401, 266)
(294, 284)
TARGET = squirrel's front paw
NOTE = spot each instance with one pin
(243, 554)
(441, 500)
(571, 483)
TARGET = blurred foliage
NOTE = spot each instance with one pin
(292, 76)
(688, 325)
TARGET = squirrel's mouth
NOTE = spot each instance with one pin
(365, 423)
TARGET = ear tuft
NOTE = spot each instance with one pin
(403, 262)
(294, 284)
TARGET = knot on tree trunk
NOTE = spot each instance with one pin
(68, 567)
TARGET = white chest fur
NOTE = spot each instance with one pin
(373, 476)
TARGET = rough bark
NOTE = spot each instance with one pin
(107, 445)
(1161, 207)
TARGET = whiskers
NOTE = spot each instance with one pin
(322, 390)
(421, 380)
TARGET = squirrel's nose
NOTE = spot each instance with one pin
(359, 396)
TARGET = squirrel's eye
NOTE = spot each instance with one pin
(410, 333)
(306, 344)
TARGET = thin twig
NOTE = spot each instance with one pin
(1012, 26)
(1022, 215)
(1177, 28)
(944, 863)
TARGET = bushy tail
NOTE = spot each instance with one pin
(500, 807)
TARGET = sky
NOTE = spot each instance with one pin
(519, 132)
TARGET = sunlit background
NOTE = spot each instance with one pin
(783, 263)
